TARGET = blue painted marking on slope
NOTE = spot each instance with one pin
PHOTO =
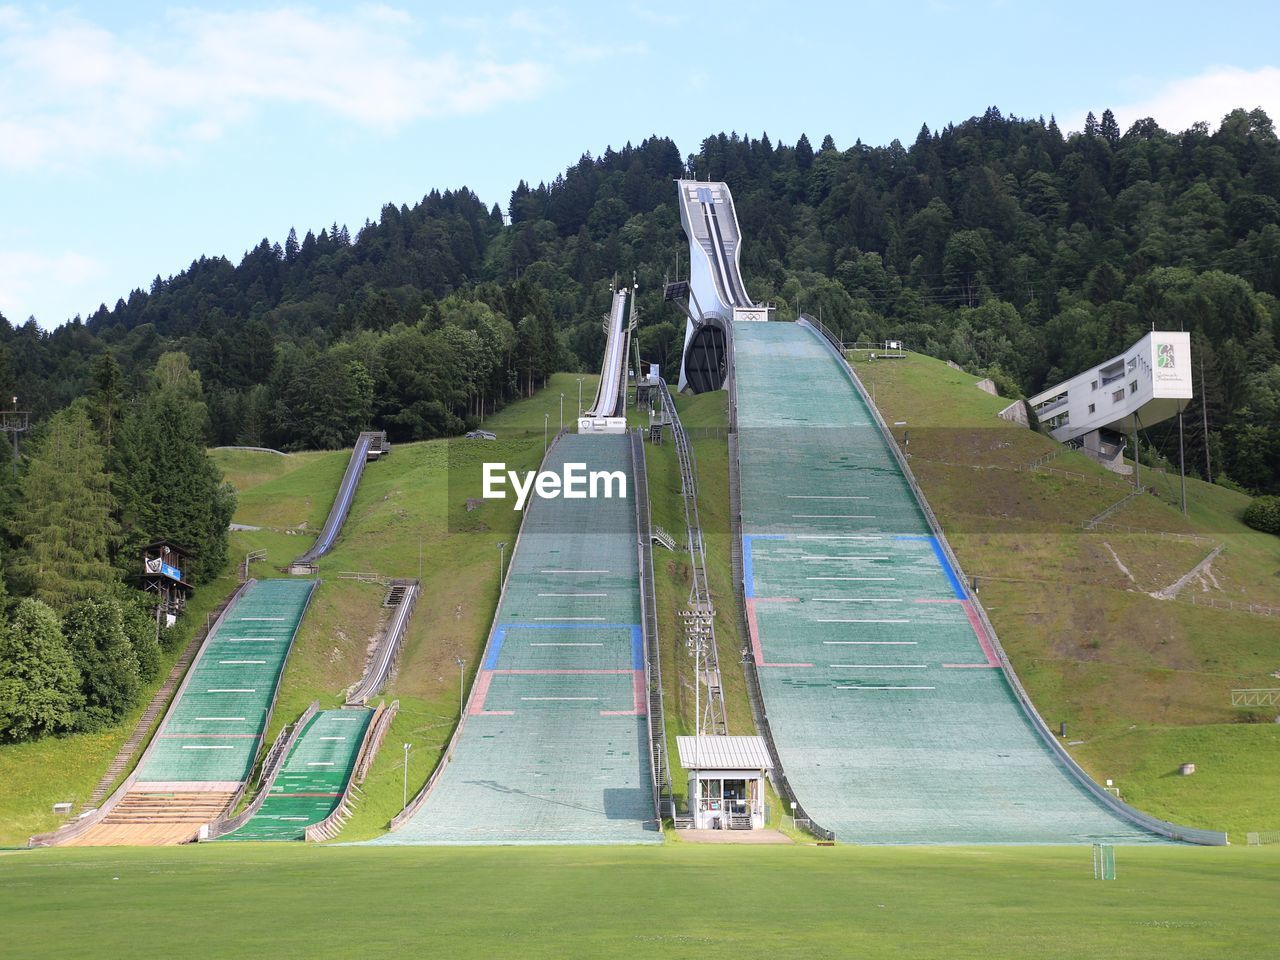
(500, 635)
(956, 586)
(748, 571)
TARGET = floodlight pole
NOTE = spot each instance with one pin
(546, 420)
(562, 412)
(462, 670)
(502, 549)
(579, 396)
(405, 801)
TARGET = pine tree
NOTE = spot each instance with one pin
(65, 524)
(109, 670)
(167, 486)
(804, 153)
(1109, 129)
(39, 681)
(106, 396)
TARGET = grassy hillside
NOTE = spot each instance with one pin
(635, 902)
(409, 519)
(1142, 683)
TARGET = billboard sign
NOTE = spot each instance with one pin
(156, 565)
(1171, 364)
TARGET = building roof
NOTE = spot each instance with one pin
(728, 753)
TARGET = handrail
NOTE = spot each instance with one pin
(655, 717)
(1121, 809)
(412, 807)
(381, 724)
(388, 647)
(225, 825)
(327, 828)
(72, 830)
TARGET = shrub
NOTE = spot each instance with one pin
(1264, 514)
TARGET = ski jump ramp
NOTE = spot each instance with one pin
(554, 745)
(893, 712)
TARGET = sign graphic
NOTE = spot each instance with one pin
(1164, 356)
(157, 565)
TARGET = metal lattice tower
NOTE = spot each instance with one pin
(15, 421)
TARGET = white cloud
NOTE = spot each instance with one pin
(1207, 97)
(70, 88)
(61, 280)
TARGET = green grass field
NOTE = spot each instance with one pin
(287, 900)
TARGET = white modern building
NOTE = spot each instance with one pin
(1148, 383)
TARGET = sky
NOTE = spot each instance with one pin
(136, 137)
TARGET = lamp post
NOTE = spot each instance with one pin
(502, 549)
(546, 422)
(579, 396)
(462, 670)
(561, 412)
(405, 800)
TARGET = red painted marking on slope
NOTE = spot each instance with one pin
(949, 600)
(209, 736)
(970, 666)
(637, 698)
(753, 628)
(304, 795)
(987, 649)
(483, 679)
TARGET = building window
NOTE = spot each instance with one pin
(1094, 385)
(1133, 386)
(1117, 396)
(1091, 408)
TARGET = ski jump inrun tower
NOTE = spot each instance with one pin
(714, 295)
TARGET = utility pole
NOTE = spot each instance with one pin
(15, 421)
(1204, 410)
(1182, 469)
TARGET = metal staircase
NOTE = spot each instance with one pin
(660, 535)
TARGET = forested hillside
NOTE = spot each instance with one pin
(998, 243)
